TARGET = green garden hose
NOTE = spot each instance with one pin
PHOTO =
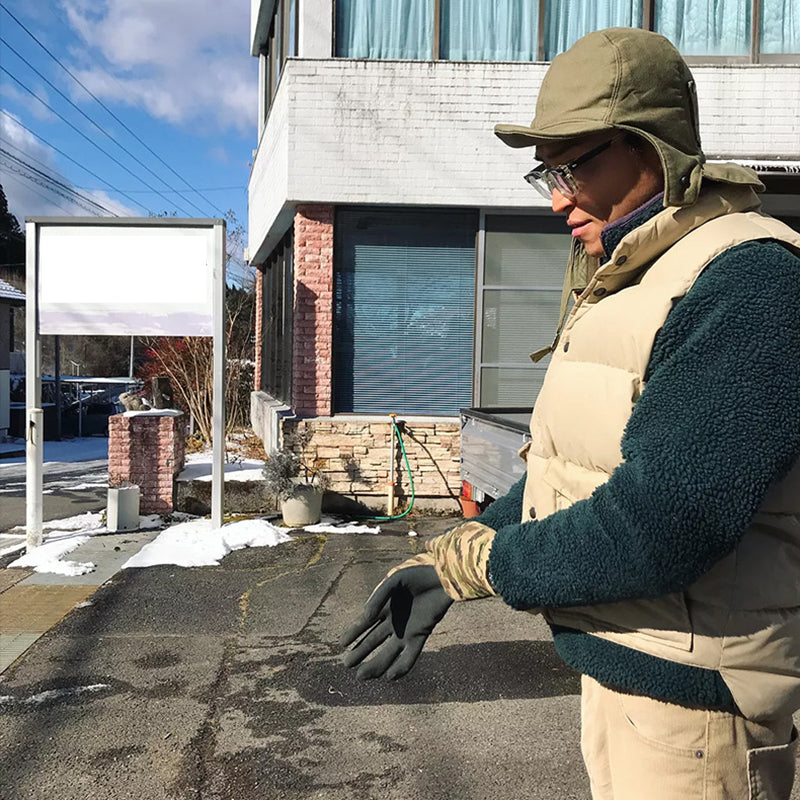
(410, 480)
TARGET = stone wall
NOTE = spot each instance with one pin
(147, 449)
(355, 453)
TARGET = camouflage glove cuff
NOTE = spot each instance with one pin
(419, 560)
(461, 558)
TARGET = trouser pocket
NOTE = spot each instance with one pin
(770, 770)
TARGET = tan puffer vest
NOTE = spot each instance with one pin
(745, 612)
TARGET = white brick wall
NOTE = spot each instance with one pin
(420, 133)
(268, 211)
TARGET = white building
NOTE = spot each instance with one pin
(405, 266)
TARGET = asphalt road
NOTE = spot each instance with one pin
(68, 489)
(225, 682)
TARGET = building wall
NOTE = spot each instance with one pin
(312, 334)
(270, 210)
(259, 326)
(316, 29)
(420, 132)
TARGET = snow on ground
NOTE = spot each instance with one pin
(60, 537)
(191, 542)
(198, 468)
(52, 694)
(331, 526)
(197, 544)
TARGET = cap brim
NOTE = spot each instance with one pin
(523, 136)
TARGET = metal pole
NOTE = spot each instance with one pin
(80, 411)
(130, 369)
(34, 433)
(392, 456)
(218, 431)
(57, 343)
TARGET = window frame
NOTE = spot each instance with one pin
(648, 23)
(277, 303)
(538, 217)
(275, 57)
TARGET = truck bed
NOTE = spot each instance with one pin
(490, 442)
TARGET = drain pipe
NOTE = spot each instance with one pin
(391, 485)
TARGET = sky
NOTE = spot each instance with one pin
(158, 116)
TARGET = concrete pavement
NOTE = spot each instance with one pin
(225, 682)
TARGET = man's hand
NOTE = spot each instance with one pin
(397, 620)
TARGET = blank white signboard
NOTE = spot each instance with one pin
(126, 281)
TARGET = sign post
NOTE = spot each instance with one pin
(122, 277)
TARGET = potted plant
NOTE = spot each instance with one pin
(299, 487)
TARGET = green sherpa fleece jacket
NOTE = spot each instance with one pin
(718, 421)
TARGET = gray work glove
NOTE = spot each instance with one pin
(397, 620)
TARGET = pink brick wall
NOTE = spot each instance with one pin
(148, 450)
(259, 327)
(313, 310)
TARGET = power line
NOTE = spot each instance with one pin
(86, 116)
(52, 183)
(185, 191)
(51, 180)
(70, 158)
(109, 111)
(16, 178)
(48, 170)
(83, 135)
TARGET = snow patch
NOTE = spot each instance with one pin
(52, 694)
(198, 468)
(47, 557)
(197, 544)
(323, 527)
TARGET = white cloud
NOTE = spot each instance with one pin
(10, 91)
(183, 60)
(26, 197)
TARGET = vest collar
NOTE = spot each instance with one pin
(615, 231)
(654, 231)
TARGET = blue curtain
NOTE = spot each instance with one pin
(706, 27)
(565, 21)
(495, 30)
(780, 26)
(385, 29)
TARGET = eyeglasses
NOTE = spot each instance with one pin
(545, 179)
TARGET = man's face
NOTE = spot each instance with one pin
(612, 184)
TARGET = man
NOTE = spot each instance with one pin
(657, 527)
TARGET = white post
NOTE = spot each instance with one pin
(34, 433)
(218, 428)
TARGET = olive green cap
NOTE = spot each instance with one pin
(632, 80)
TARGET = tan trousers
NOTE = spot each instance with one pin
(636, 748)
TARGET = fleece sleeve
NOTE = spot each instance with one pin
(718, 421)
(506, 510)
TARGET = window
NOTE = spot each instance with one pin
(519, 297)
(403, 310)
(282, 43)
(565, 21)
(385, 29)
(276, 322)
(537, 30)
(706, 27)
(503, 30)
